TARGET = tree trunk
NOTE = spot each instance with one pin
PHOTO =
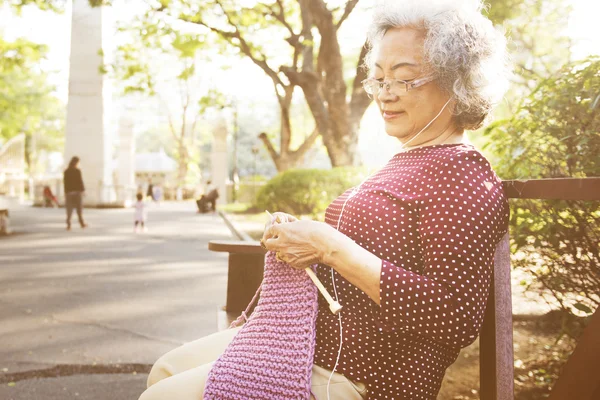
(337, 118)
(287, 158)
(182, 164)
(342, 153)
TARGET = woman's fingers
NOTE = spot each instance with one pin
(284, 217)
(267, 233)
(281, 218)
(270, 236)
(272, 244)
(274, 219)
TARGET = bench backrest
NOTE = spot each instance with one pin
(496, 360)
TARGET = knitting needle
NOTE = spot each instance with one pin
(334, 306)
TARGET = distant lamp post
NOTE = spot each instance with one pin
(235, 174)
(255, 150)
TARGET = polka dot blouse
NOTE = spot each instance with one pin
(434, 216)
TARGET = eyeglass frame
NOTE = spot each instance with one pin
(408, 85)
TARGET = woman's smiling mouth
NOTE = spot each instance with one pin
(389, 115)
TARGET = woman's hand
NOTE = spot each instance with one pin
(277, 218)
(281, 217)
(299, 243)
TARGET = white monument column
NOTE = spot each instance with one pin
(86, 121)
(219, 166)
(126, 163)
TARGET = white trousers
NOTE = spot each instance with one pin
(181, 373)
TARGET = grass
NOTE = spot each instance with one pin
(236, 208)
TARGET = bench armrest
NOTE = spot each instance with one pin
(244, 273)
(236, 246)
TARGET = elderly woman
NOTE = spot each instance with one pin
(408, 252)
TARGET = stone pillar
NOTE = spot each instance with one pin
(219, 156)
(127, 189)
(86, 118)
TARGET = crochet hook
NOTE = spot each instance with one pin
(334, 306)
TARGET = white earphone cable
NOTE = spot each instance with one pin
(429, 124)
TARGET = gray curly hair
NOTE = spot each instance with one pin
(462, 48)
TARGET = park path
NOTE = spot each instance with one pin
(97, 306)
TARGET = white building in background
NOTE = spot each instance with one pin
(12, 171)
(156, 167)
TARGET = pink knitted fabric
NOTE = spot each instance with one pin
(271, 357)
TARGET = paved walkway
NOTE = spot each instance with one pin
(84, 313)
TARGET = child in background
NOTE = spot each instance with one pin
(140, 213)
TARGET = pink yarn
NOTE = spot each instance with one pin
(271, 357)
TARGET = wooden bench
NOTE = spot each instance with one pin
(579, 380)
(244, 273)
(496, 360)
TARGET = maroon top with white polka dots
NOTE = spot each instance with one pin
(434, 216)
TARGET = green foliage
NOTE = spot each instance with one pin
(213, 99)
(149, 42)
(556, 133)
(27, 104)
(307, 191)
(20, 54)
(537, 44)
(268, 33)
(48, 5)
(499, 11)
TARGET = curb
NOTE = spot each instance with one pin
(241, 235)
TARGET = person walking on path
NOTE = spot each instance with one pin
(74, 190)
(157, 193)
(140, 214)
(150, 190)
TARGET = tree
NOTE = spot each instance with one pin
(138, 75)
(554, 134)
(48, 5)
(27, 102)
(311, 62)
(537, 45)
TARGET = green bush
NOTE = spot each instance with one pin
(554, 134)
(307, 191)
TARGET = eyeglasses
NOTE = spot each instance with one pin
(396, 87)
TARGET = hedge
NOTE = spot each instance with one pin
(307, 191)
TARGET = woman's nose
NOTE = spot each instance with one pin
(384, 94)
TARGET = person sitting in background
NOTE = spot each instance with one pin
(210, 196)
(49, 198)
